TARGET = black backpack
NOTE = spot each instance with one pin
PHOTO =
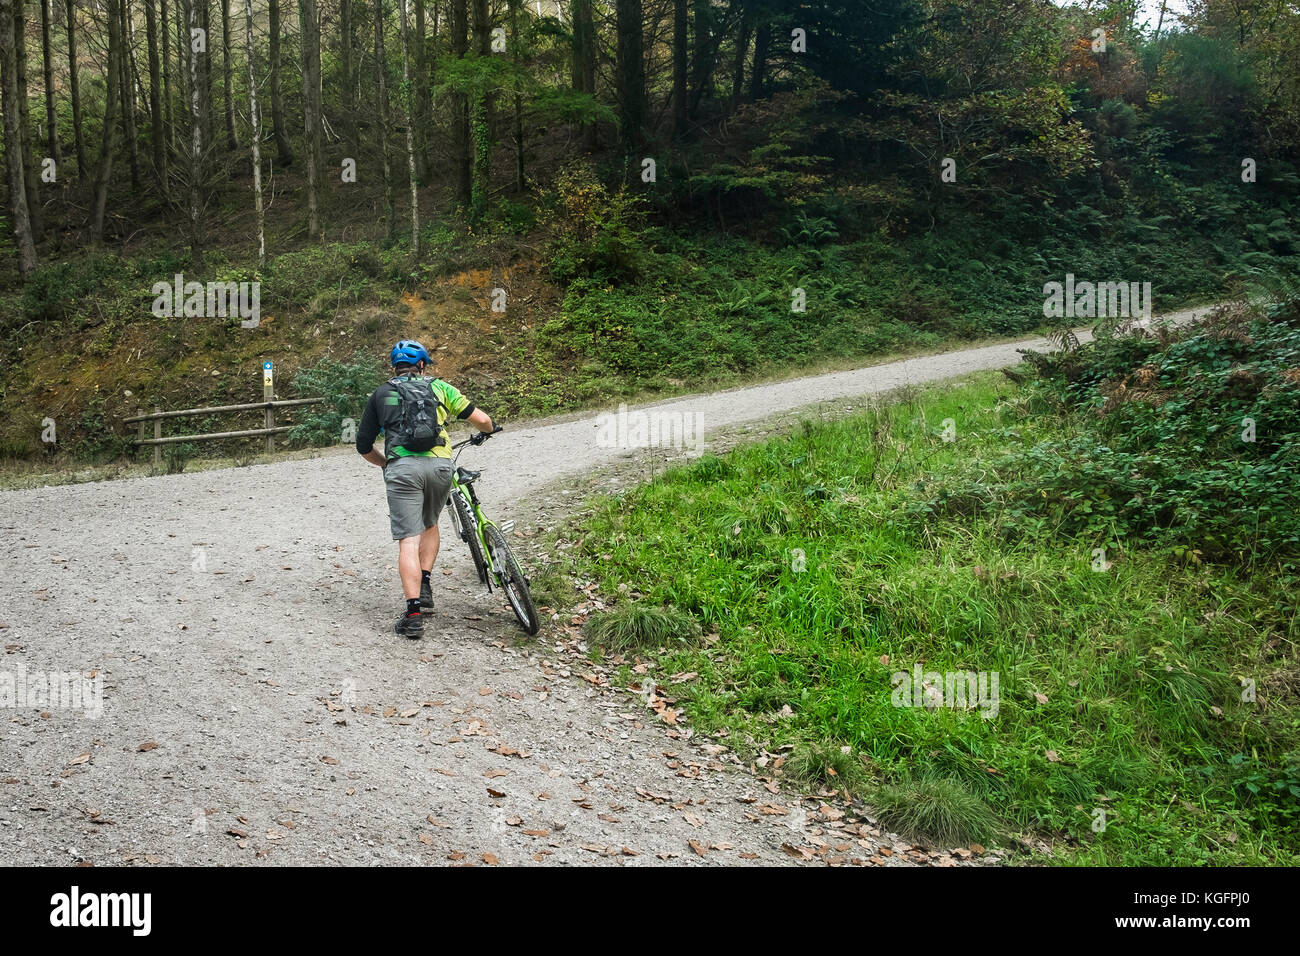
(417, 427)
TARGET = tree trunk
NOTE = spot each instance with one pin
(13, 154)
(630, 68)
(51, 114)
(410, 134)
(311, 117)
(170, 140)
(111, 101)
(205, 66)
(198, 100)
(681, 26)
(74, 90)
(347, 68)
(513, 6)
(283, 153)
(584, 61)
(702, 65)
(480, 122)
(18, 25)
(232, 142)
(762, 36)
(423, 108)
(738, 64)
(255, 137)
(128, 98)
(155, 96)
(381, 67)
(460, 102)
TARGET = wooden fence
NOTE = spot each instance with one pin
(270, 430)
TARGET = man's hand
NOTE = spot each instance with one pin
(375, 457)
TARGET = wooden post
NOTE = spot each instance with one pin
(140, 432)
(268, 395)
(157, 433)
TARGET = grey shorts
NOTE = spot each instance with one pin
(417, 489)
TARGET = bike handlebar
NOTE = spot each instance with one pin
(478, 439)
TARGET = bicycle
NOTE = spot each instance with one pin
(487, 544)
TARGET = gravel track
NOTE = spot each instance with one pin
(241, 622)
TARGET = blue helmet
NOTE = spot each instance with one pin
(408, 352)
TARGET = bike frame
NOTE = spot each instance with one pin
(481, 521)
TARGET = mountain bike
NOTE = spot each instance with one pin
(487, 543)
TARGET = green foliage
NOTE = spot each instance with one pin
(636, 626)
(1189, 441)
(345, 385)
(1115, 690)
(941, 810)
(594, 232)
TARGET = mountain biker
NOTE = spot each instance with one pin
(412, 409)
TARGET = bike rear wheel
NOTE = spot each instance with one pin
(512, 580)
(469, 533)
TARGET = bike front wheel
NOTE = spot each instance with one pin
(512, 580)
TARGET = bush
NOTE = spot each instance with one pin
(345, 386)
(594, 232)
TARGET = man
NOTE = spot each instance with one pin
(412, 412)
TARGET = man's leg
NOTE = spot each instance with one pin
(429, 543)
(405, 501)
(408, 564)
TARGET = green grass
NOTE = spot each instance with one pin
(1119, 690)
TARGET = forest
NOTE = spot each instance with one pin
(584, 200)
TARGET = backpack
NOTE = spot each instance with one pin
(417, 428)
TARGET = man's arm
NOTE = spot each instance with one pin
(480, 420)
(367, 431)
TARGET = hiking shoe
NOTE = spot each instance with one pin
(426, 598)
(410, 625)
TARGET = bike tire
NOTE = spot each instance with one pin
(512, 580)
(468, 534)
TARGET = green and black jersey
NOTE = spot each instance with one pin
(382, 412)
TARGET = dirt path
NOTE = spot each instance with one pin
(241, 624)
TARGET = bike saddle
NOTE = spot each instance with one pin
(465, 476)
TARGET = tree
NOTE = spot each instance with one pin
(13, 151)
(480, 117)
(309, 18)
(124, 90)
(104, 173)
(74, 91)
(381, 65)
(584, 61)
(166, 80)
(423, 110)
(630, 68)
(407, 97)
(197, 92)
(460, 103)
(51, 116)
(18, 27)
(346, 39)
(680, 32)
(155, 96)
(283, 152)
(232, 142)
(255, 136)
